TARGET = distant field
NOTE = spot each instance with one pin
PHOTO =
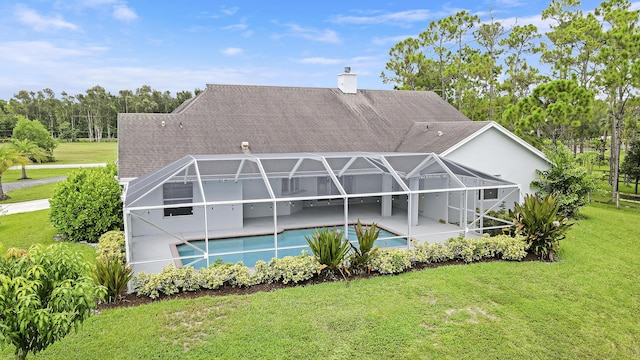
(32, 193)
(86, 152)
(14, 175)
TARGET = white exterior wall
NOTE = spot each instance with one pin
(494, 153)
(219, 217)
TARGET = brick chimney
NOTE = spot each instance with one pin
(348, 82)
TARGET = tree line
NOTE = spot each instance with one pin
(92, 114)
(578, 83)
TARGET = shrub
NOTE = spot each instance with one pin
(168, 282)
(45, 294)
(329, 248)
(467, 249)
(112, 244)
(287, 269)
(431, 253)
(566, 180)
(87, 204)
(172, 280)
(112, 273)
(538, 221)
(365, 251)
(391, 261)
(506, 247)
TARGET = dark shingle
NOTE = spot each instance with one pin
(285, 119)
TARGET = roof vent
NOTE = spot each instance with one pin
(245, 147)
(348, 82)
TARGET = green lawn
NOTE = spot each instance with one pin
(26, 229)
(14, 175)
(33, 193)
(86, 152)
(585, 306)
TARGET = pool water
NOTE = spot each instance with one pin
(260, 247)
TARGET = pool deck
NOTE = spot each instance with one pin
(159, 247)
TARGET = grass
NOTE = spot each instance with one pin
(586, 306)
(86, 152)
(26, 229)
(32, 193)
(14, 175)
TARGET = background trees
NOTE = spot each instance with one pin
(591, 60)
(90, 115)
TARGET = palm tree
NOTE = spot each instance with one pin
(9, 157)
(30, 150)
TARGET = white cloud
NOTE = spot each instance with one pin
(231, 51)
(229, 11)
(124, 13)
(240, 26)
(635, 5)
(235, 27)
(321, 61)
(39, 22)
(391, 40)
(507, 3)
(542, 25)
(326, 35)
(38, 52)
(388, 18)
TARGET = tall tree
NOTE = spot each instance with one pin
(619, 78)
(521, 43)
(404, 66)
(551, 111)
(488, 36)
(631, 164)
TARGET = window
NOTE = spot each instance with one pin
(290, 185)
(489, 194)
(327, 187)
(178, 193)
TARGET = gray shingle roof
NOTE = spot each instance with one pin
(287, 119)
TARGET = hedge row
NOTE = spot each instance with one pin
(295, 269)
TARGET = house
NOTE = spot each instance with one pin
(231, 171)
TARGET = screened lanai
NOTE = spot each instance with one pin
(250, 207)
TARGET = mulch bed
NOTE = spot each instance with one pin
(130, 300)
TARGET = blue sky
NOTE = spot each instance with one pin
(182, 45)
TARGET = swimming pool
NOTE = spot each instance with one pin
(250, 249)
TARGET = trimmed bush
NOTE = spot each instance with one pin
(431, 253)
(467, 249)
(87, 204)
(391, 261)
(303, 267)
(288, 269)
(112, 244)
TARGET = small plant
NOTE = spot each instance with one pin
(539, 222)
(329, 248)
(365, 251)
(112, 273)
